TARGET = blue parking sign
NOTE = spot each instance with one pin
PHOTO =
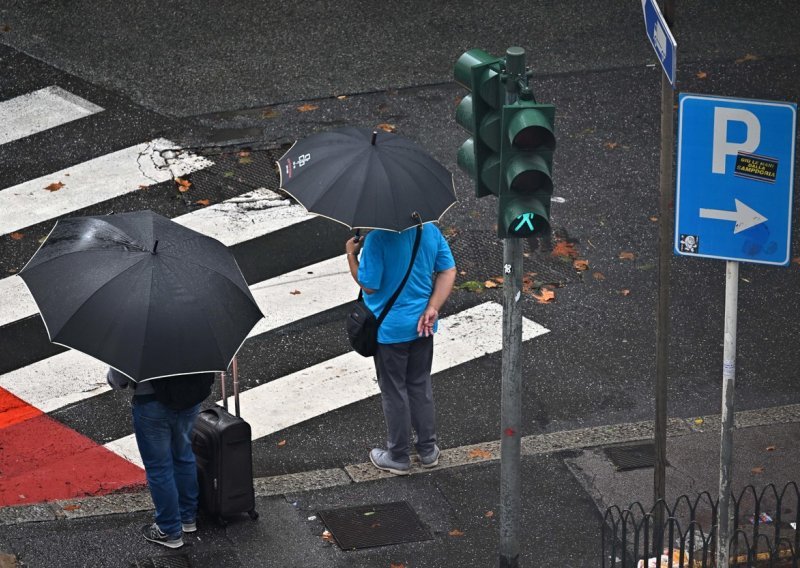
(735, 176)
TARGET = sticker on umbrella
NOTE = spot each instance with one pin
(301, 161)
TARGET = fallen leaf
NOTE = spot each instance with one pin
(701, 75)
(598, 275)
(397, 565)
(143, 187)
(341, 97)
(610, 145)
(307, 107)
(294, 292)
(757, 470)
(698, 421)
(479, 453)
(748, 57)
(456, 532)
(387, 127)
(564, 249)
(450, 232)
(281, 443)
(653, 218)
(471, 286)
(183, 184)
(71, 507)
(625, 255)
(546, 297)
(490, 284)
(580, 265)
(16, 236)
(327, 536)
(625, 292)
(55, 186)
(270, 113)
(771, 448)
(489, 514)
(244, 160)
(462, 272)
(203, 202)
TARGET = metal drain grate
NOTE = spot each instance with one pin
(367, 526)
(172, 561)
(632, 457)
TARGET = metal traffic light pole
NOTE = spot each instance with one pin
(511, 390)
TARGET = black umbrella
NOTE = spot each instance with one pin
(366, 179)
(141, 293)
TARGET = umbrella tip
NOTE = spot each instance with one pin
(374, 136)
(155, 246)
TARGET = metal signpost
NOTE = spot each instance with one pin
(733, 202)
(660, 36)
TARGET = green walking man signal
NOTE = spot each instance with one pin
(510, 153)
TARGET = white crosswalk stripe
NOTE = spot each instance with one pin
(41, 110)
(92, 182)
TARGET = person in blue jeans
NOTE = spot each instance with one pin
(405, 337)
(164, 439)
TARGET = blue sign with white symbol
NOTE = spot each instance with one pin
(661, 38)
(735, 179)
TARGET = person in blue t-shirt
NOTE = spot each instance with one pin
(405, 338)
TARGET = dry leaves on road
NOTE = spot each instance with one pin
(281, 443)
(307, 107)
(55, 186)
(489, 514)
(183, 185)
(757, 470)
(597, 275)
(748, 57)
(478, 453)
(701, 75)
(610, 145)
(580, 265)
(16, 236)
(270, 113)
(545, 296)
(456, 532)
(490, 284)
(386, 127)
(626, 255)
(564, 250)
(203, 202)
(397, 565)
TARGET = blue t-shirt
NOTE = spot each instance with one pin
(384, 261)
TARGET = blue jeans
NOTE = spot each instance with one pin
(164, 439)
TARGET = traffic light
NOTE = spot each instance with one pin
(480, 113)
(527, 145)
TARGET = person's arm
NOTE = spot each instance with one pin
(116, 380)
(442, 287)
(353, 247)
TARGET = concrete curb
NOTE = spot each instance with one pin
(120, 503)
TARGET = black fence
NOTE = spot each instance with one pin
(764, 531)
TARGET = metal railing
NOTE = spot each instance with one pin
(761, 529)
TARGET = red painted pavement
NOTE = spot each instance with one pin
(43, 460)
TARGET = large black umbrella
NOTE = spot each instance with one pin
(366, 179)
(141, 293)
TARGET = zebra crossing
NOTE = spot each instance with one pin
(67, 392)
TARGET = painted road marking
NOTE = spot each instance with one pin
(236, 220)
(350, 378)
(92, 182)
(72, 376)
(41, 110)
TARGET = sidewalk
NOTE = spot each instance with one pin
(567, 482)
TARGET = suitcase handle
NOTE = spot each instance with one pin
(223, 377)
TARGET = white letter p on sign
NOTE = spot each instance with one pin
(722, 148)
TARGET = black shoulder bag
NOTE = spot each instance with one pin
(362, 325)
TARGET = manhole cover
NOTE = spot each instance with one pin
(368, 526)
(632, 457)
(172, 561)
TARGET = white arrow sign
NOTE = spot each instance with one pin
(744, 216)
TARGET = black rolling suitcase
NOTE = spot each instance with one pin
(222, 445)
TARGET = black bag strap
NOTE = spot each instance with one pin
(390, 303)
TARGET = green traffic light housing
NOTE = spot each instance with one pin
(527, 149)
(480, 114)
